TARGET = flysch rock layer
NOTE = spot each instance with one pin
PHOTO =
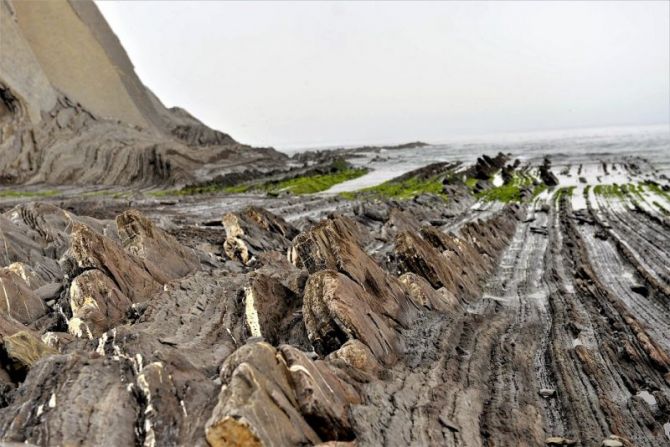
(289, 344)
(73, 111)
(403, 329)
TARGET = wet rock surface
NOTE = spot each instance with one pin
(417, 322)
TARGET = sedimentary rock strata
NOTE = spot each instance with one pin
(97, 304)
(72, 109)
(18, 301)
(464, 312)
(253, 231)
(337, 309)
(398, 327)
(142, 238)
(334, 244)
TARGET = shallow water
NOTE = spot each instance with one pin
(574, 147)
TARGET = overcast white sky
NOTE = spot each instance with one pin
(301, 74)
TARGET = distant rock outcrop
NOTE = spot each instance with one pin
(546, 175)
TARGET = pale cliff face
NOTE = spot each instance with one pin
(73, 111)
(74, 61)
(63, 47)
(20, 69)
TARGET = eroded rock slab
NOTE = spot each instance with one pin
(72, 400)
(323, 398)
(273, 311)
(17, 300)
(90, 250)
(337, 309)
(357, 360)
(97, 304)
(21, 349)
(255, 230)
(456, 263)
(423, 294)
(334, 244)
(257, 404)
(279, 397)
(142, 238)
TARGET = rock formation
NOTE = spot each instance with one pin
(229, 320)
(72, 109)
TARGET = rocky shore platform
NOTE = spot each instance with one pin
(162, 284)
(484, 312)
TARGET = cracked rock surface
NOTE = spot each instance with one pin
(142, 327)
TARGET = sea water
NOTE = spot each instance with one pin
(565, 147)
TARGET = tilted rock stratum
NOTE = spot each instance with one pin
(482, 304)
(73, 111)
(427, 321)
